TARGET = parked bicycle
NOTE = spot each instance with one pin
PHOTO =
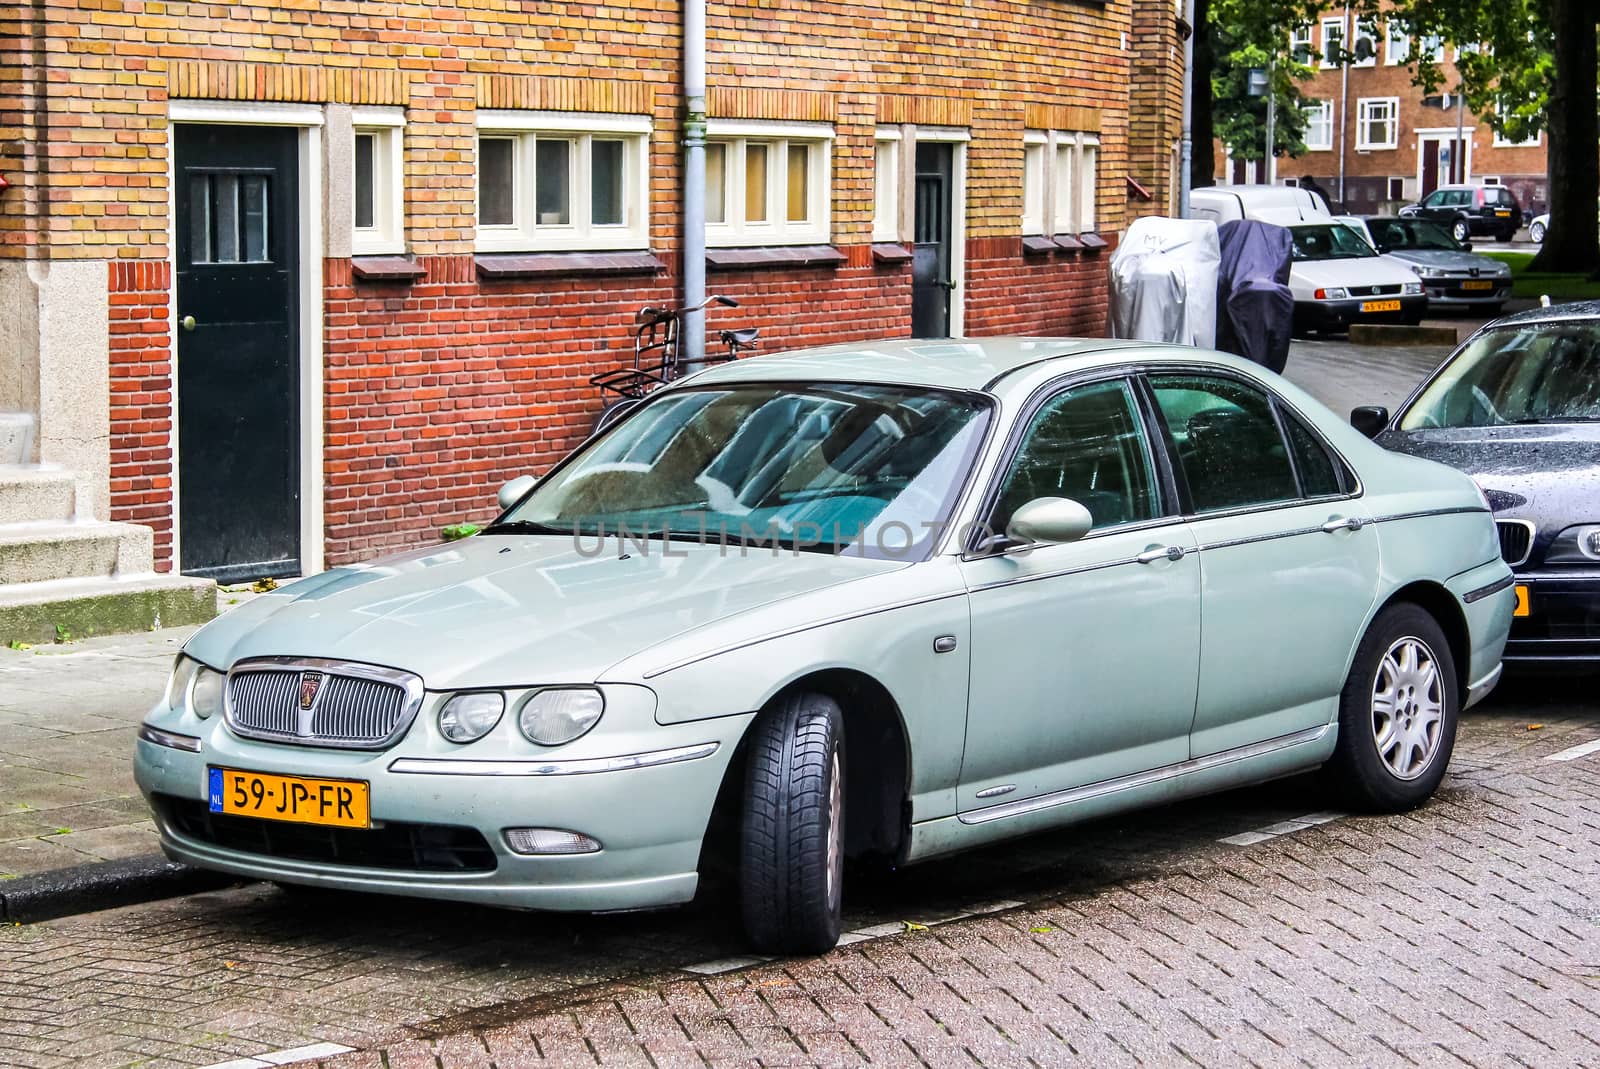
(658, 359)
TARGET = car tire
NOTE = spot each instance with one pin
(1461, 230)
(791, 863)
(1536, 233)
(1397, 719)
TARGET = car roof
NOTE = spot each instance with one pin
(949, 363)
(1556, 313)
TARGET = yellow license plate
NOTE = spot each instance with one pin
(339, 803)
(1477, 285)
(1522, 608)
(1380, 306)
(1503, 215)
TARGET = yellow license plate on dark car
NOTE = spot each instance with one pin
(339, 803)
(1523, 607)
(1477, 285)
(1380, 306)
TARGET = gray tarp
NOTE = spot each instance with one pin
(1255, 310)
(1164, 282)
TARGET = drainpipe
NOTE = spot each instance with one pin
(1344, 116)
(1186, 142)
(692, 328)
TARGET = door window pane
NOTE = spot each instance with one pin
(1086, 444)
(225, 194)
(716, 183)
(200, 219)
(1318, 475)
(496, 170)
(755, 183)
(605, 175)
(799, 183)
(253, 223)
(552, 182)
(1228, 443)
(366, 148)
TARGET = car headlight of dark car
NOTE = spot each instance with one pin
(1579, 544)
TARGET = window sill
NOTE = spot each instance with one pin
(1038, 245)
(1091, 243)
(778, 256)
(889, 254)
(498, 266)
(386, 269)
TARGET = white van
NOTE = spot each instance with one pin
(1337, 278)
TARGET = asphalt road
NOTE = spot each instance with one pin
(1261, 927)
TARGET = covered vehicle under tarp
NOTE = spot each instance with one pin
(1255, 307)
(1164, 282)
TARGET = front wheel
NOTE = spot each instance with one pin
(1536, 233)
(791, 864)
(1397, 713)
(1460, 230)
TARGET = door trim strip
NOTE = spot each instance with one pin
(1143, 779)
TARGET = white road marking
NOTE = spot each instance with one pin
(288, 1056)
(722, 965)
(1283, 827)
(1572, 753)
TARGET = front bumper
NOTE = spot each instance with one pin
(1562, 628)
(650, 819)
(1338, 315)
(1448, 292)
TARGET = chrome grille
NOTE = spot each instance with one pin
(1516, 540)
(1374, 291)
(311, 702)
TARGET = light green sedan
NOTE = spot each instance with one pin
(877, 601)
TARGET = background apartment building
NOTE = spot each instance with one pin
(1374, 136)
(293, 284)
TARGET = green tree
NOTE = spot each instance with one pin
(1530, 65)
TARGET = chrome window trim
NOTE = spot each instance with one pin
(1024, 806)
(1533, 534)
(410, 682)
(170, 739)
(459, 766)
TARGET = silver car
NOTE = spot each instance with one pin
(1450, 271)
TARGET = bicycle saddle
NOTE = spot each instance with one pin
(745, 336)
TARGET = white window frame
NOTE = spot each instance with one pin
(387, 234)
(777, 229)
(1343, 25)
(1363, 108)
(886, 184)
(1300, 42)
(1501, 141)
(1369, 30)
(1434, 47)
(1396, 44)
(523, 233)
(1325, 109)
(1061, 199)
(1087, 180)
(1035, 169)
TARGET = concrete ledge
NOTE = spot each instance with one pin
(103, 885)
(30, 612)
(1400, 334)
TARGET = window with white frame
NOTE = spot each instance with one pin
(1502, 141)
(378, 191)
(886, 186)
(1300, 43)
(562, 181)
(1332, 41)
(1397, 46)
(1377, 123)
(1319, 125)
(1364, 41)
(1433, 48)
(1060, 180)
(767, 183)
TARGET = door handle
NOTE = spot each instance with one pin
(187, 322)
(1349, 523)
(1150, 556)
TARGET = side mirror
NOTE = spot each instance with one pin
(1050, 519)
(512, 491)
(1370, 420)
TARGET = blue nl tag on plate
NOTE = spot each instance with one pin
(215, 792)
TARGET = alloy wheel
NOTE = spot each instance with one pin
(835, 833)
(1408, 708)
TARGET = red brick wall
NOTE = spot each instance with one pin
(1048, 295)
(141, 400)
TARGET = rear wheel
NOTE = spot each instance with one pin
(791, 865)
(1397, 713)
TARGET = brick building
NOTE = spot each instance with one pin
(295, 283)
(1374, 135)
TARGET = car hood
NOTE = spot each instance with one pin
(1549, 473)
(1306, 276)
(499, 610)
(1451, 260)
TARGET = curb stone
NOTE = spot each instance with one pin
(102, 885)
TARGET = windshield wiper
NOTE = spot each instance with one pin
(525, 527)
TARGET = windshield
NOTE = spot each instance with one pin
(1328, 241)
(1548, 374)
(1412, 234)
(832, 467)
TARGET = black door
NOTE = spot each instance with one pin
(238, 367)
(931, 281)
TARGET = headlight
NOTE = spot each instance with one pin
(1576, 545)
(469, 717)
(1332, 293)
(183, 670)
(205, 693)
(552, 717)
(1427, 272)
(1411, 289)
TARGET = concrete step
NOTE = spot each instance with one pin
(65, 609)
(36, 495)
(16, 437)
(39, 552)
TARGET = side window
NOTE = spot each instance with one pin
(1087, 444)
(1433, 200)
(1319, 473)
(1227, 441)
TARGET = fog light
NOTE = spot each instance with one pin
(549, 841)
